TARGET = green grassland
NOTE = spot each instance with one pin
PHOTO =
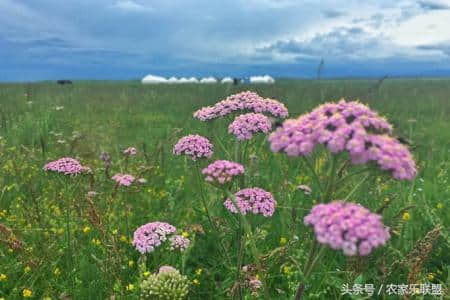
(54, 243)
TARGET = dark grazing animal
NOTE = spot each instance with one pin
(64, 81)
(236, 81)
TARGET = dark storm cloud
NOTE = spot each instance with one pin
(194, 36)
(341, 42)
(333, 13)
(433, 5)
(443, 48)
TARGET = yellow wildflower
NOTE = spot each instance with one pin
(57, 271)
(86, 229)
(3, 277)
(430, 276)
(406, 216)
(96, 241)
(27, 269)
(130, 287)
(283, 241)
(130, 263)
(199, 271)
(440, 206)
(123, 238)
(185, 234)
(27, 293)
(286, 269)
(196, 281)
(146, 273)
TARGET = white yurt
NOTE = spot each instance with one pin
(262, 79)
(208, 80)
(269, 79)
(153, 79)
(227, 80)
(172, 80)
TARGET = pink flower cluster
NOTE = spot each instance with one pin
(65, 165)
(130, 151)
(347, 226)
(222, 171)
(179, 242)
(254, 284)
(349, 126)
(254, 200)
(123, 179)
(195, 146)
(244, 126)
(149, 236)
(243, 101)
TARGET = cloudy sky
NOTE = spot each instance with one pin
(126, 39)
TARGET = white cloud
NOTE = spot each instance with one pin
(429, 28)
(131, 6)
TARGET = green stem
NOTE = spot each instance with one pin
(236, 150)
(310, 256)
(356, 187)
(314, 262)
(68, 235)
(253, 248)
(313, 257)
(351, 175)
(219, 142)
(331, 177)
(183, 263)
(242, 158)
(314, 174)
(208, 215)
(309, 267)
(205, 205)
(69, 249)
(241, 242)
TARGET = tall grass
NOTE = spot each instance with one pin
(68, 260)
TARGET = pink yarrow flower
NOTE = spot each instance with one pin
(151, 235)
(179, 242)
(123, 179)
(194, 146)
(130, 151)
(253, 200)
(244, 101)
(65, 165)
(254, 284)
(244, 126)
(222, 171)
(347, 226)
(167, 269)
(346, 126)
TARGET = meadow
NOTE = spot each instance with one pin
(70, 237)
